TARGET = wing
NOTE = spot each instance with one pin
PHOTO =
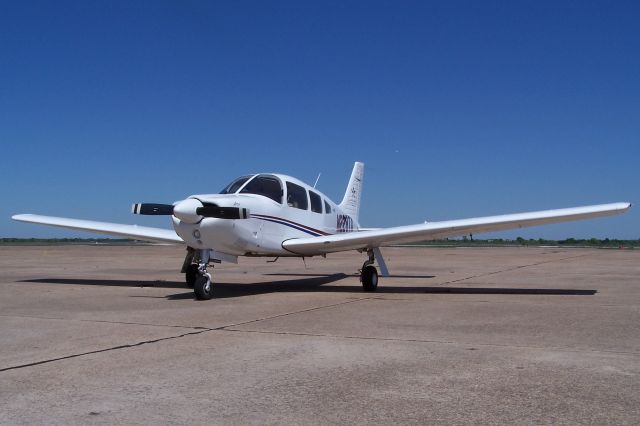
(450, 228)
(130, 231)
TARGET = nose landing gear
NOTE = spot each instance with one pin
(196, 274)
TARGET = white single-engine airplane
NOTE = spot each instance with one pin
(277, 215)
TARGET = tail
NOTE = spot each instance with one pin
(351, 202)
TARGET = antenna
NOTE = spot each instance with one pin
(317, 179)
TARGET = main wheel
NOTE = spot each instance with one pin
(369, 278)
(191, 275)
(203, 287)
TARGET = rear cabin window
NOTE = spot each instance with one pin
(296, 196)
(316, 202)
(327, 207)
(268, 186)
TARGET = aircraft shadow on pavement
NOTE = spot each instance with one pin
(280, 274)
(311, 283)
(109, 283)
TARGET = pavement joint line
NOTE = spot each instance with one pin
(105, 321)
(563, 303)
(97, 351)
(443, 342)
(223, 327)
(514, 268)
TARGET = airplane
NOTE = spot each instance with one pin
(275, 215)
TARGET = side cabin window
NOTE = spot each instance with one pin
(265, 185)
(233, 187)
(316, 202)
(296, 196)
(327, 207)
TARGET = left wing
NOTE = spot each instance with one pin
(450, 228)
(145, 233)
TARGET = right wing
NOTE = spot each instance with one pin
(362, 240)
(145, 233)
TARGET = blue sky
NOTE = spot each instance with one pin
(458, 109)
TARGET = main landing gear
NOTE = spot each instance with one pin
(369, 273)
(196, 274)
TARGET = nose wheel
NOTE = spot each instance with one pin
(369, 273)
(197, 276)
(203, 287)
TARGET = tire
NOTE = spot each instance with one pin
(191, 275)
(369, 278)
(200, 287)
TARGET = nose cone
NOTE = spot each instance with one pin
(185, 210)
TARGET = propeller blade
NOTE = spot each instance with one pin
(152, 209)
(190, 210)
(223, 212)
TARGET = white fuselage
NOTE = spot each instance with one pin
(270, 222)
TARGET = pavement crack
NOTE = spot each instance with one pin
(198, 330)
(113, 348)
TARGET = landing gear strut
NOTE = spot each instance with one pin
(369, 274)
(196, 275)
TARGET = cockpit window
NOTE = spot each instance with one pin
(327, 207)
(296, 196)
(233, 187)
(316, 202)
(266, 185)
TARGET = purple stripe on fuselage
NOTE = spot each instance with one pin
(295, 225)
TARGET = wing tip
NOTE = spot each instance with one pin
(623, 206)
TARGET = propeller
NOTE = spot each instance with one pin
(190, 210)
(152, 209)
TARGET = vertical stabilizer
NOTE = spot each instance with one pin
(351, 202)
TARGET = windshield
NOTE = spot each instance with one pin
(265, 185)
(233, 187)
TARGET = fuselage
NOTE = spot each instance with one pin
(280, 208)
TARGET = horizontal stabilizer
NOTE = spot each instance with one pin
(135, 232)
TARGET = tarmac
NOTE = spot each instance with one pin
(111, 334)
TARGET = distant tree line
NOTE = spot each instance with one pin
(67, 241)
(569, 242)
(591, 242)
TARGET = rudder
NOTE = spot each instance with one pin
(351, 202)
